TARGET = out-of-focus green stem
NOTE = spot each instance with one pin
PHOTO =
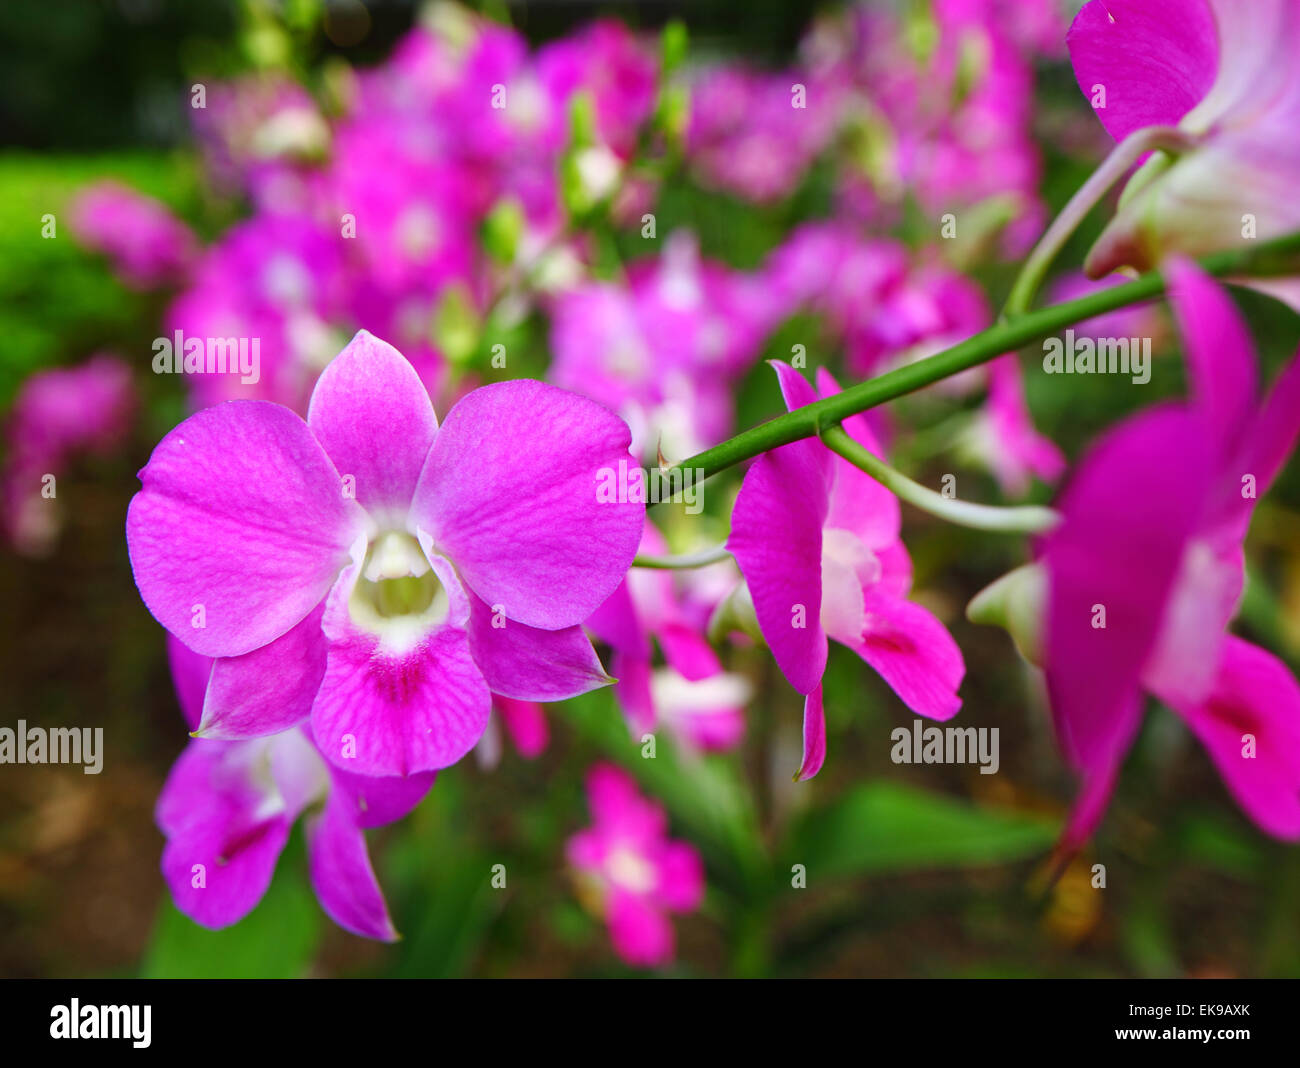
(678, 563)
(1113, 167)
(1269, 258)
(1027, 519)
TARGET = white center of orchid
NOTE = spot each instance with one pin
(397, 595)
(630, 870)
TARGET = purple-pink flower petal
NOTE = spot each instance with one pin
(530, 664)
(268, 690)
(510, 492)
(1155, 60)
(240, 527)
(914, 653)
(776, 538)
(1220, 354)
(373, 418)
(385, 710)
(221, 850)
(814, 736)
(1250, 724)
(1134, 502)
(342, 876)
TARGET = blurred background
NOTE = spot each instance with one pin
(910, 870)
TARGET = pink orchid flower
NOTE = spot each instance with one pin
(942, 109)
(620, 71)
(707, 714)
(1223, 73)
(631, 871)
(227, 809)
(260, 134)
(817, 540)
(379, 573)
(146, 244)
(1005, 438)
(666, 349)
(756, 134)
(279, 279)
(57, 415)
(1146, 569)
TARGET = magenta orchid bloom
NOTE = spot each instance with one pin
(57, 415)
(748, 137)
(946, 113)
(707, 714)
(1005, 438)
(146, 244)
(260, 134)
(666, 349)
(817, 540)
(379, 573)
(630, 870)
(1146, 569)
(227, 809)
(1224, 74)
(276, 278)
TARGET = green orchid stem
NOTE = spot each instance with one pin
(1271, 258)
(679, 563)
(1028, 519)
(1112, 169)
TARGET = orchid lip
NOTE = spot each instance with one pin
(397, 593)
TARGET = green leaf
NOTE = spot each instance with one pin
(439, 885)
(887, 827)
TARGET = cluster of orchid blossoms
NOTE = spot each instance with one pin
(357, 595)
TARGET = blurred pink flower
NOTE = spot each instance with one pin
(146, 244)
(1146, 571)
(1004, 437)
(756, 134)
(57, 415)
(664, 350)
(650, 605)
(941, 112)
(630, 871)
(885, 308)
(279, 279)
(706, 713)
(261, 134)
(620, 72)
(525, 723)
